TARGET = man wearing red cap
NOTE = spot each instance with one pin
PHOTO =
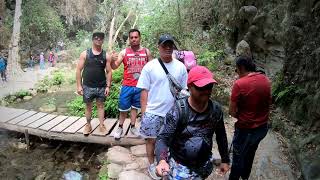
(183, 147)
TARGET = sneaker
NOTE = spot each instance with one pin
(118, 133)
(152, 171)
(135, 131)
(87, 129)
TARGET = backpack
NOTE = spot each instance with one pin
(187, 58)
(183, 111)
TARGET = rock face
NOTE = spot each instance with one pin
(284, 36)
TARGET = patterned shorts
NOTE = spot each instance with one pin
(150, 125)
(179, 171)
(89, 94)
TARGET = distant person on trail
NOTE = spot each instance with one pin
(42, 61)
(94, 75)
(31, 62)
(184, 144)
(156, 97)
(133, 59)
(3, 68)
(249, 103)
(51, 58)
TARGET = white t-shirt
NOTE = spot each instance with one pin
(153, 78)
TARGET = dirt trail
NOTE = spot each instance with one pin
(25, 81)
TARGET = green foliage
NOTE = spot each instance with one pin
(58, 78)
(103, 176)
(43, 85)
(80, 44)
(210, 59)
(41, 24)
(117, 75)
(284, 94)
(22, 94)
(76, 107)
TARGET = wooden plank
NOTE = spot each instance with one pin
(66, 123)
(7, 114)
(22, 117)
(49, 125)
(42, 121)
(126, 125)
(94, 124)
(76, 126)
(130, 135)
(31, 119)
(108, 123)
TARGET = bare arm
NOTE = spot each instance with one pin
(143, 100)
(149, 55)
(115, 63)
(79, 69)
(108, 74)
(233, 109)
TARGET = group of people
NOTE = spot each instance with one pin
(52, 58)
(177, 130)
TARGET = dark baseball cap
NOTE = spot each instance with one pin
(164, 38)
(98, 35)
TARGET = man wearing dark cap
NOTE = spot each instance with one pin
(94, 77)
(183, 146)
(156, 97)
(249, 103)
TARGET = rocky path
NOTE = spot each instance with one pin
(270, 161)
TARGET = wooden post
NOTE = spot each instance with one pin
(26, 134)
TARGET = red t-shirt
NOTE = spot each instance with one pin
(133, 62)
(252, 95)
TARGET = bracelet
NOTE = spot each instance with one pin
(107, 86)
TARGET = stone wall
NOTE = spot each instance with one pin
(284, 36)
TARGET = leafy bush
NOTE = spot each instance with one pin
(43, 85)
(76, 107)
(58, 78)
(22, 94)
(210, 59)
(117, 75)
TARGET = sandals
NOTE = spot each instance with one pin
(87, 129)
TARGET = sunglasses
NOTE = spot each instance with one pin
(204, 88)
(98, 39)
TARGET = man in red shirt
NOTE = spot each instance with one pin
(249, 104)
(133, 59)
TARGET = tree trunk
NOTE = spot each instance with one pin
(179, 19)
(111, 32)
(13, 57)
(119, 28)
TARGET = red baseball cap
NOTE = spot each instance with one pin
(200, 76)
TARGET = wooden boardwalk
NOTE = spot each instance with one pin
(66, 128)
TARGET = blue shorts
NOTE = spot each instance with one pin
(129, 97)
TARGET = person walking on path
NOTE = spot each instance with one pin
(133, 59)
(156, 97)
(183, 146)
(250, 104)
(51, 58)
(31, 61)
(3, 68)
(94, 77)
(42, 61)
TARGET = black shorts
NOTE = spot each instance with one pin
(89, 94)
